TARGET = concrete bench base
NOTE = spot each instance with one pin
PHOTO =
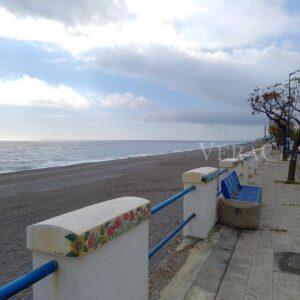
(238, 214)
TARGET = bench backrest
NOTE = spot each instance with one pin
(236, 179)
(230, 185)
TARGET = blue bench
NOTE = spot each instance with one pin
(232, 189)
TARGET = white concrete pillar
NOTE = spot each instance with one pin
(202, 201)
(263, 153)
(259, 156)
(252, 166)
(245, 168)
(256, 151)
(266, 150)
(231, 164)
(101, 250)
(269, 148)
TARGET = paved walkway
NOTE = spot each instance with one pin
(262, 264)
(254, 271)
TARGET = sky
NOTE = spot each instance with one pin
(136, 69)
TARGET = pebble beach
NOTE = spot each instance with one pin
(28, 197)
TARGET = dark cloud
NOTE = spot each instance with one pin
(206, 117)
(223, 76)
(69, 12)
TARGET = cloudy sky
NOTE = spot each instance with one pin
(135, 69)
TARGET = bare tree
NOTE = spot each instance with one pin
(281, 104)
(274, 105)
(294, 101)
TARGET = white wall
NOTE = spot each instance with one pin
(109, 252)
(202, 201)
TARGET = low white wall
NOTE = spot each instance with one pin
(245, 159)
(101, 250)
(259, 157)
(252, 166)
(202, 201)
(266, 150)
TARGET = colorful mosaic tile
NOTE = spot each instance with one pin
(96, 237)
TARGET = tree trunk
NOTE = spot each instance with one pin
(293, 160)
(283, 142)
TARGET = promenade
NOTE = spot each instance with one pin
(262, 264)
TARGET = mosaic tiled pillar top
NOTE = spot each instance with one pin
(200, 175)
(78, 232)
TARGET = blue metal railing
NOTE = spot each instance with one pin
(159, 245)
(25, 281)
(170, 200)
(222, 171)
(162, 205)
(167, 202)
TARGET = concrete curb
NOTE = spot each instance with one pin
(182, 281)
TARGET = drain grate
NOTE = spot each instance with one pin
(287, 262)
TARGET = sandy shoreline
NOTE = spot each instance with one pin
(28, 197)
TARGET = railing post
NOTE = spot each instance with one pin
(265, 151)
(231, 164)
(268, 150)
(101, 251)
(245, 159)
(202, 201)
(252, 165)
(258, 160)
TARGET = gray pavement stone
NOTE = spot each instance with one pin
(230, 290)
(280, 220)
(196, 293)
(212, 272)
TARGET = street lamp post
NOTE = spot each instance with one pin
(289, 113)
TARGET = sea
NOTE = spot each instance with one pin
(30, 155)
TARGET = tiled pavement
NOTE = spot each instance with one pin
(254, 271)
